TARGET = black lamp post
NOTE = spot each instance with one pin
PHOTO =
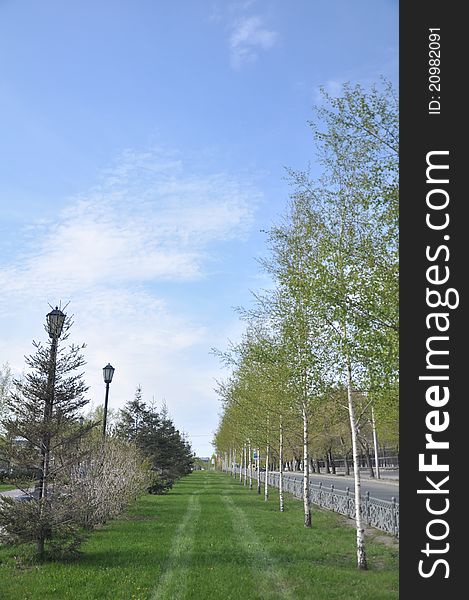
(108, 373)
(55, 322)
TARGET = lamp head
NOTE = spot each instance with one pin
(108, 372)
(55, 322)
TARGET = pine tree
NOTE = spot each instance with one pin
(44, 424)
(154, 434)
(133, 418)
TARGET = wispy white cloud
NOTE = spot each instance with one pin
(248, 37)
(149, 221)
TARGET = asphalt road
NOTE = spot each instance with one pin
(385, 488)
(13, 493)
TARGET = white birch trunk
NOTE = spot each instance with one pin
(258, 463)
(267, 458)
(306, 493)
(361, 555)
(250, 465)
(280, 475)
(245, 464)
(375, 442)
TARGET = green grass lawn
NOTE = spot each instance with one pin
(210, 538)
(4, 487)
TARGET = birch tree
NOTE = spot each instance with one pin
(349, 219)
(257, 394)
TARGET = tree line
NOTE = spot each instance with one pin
(316, 371)
(72, 477)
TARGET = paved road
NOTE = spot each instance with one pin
(378, 488)
(10, 493)
(13, 493)
(385, 488)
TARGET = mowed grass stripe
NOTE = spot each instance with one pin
(265, 570)
(220, 567)
(173, 583)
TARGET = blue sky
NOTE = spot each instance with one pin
(143, 147)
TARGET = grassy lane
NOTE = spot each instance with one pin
(210, 538)
(4, 487)
(266, 572)
(175, 579)
(221, 567)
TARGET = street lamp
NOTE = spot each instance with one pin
(108, 373)
(55, 322)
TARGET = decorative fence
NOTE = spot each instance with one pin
(377, 513)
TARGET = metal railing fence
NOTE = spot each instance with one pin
(377, 513)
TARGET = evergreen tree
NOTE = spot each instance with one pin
(133, 418)
(172, 455)
(169, 455)
(44, 425)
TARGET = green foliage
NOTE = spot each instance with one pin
(57, 522)
(169, 455)
(334, 263)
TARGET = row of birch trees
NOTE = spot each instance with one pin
(319, 356)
